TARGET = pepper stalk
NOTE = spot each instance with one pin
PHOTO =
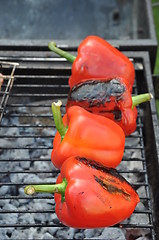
(61, 128)
(136, 100)
(52, 46)
(51, 188)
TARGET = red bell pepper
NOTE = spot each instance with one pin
(110, 99)
(97, 59)
(101, 82)
(81, 133)
(89, 195)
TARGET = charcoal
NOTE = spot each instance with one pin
(3, 190)
(42, 202)
(62, 234)
(26, 218)
(89, 233)
(25, 164)
(4, 232)
(20, 234)
(79, 235)
(53, 230)
(71, 232)
(48, 236)
(43, 166)
(111, 233)
(16, 178)
(8, 219)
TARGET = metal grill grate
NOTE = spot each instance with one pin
(7, 86)
(26, 135)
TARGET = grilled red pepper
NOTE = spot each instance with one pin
(89, 195)
(88, 135)
(97, 59)
(110, 99)
(101, 82)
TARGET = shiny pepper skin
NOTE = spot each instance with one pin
(95, 196)
(91, 136)
(98, 59)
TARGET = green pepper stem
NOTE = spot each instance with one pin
(141, 98)
(53, 188)
(61, 128)
(52, 46)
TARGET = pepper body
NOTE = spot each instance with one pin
(107, 97)
(95, 196)
(97, 64)
(98, 59)
(91, 136)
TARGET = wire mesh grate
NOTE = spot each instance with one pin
(6, 83)
(26, 135)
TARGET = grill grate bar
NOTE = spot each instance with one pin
(30, 115)
(44, 197)
(37, 225)
(53, 211)
(30, 136)
(27, 147)
(28, 126)
(56, 95)
(27, 136)
(36, 115)
(44, 171)
(55, 86)
(50, 147)
(53, 126)
(48, 160)
(31, 105)
(37, 77)
(38, 183)
(36, 59)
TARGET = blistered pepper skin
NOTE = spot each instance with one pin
(89, 195)
(95, 196)
(107, 97)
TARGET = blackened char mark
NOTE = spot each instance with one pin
(97, 92)
(113, 173)
(98, 166)
(108, 186)
(116, 112)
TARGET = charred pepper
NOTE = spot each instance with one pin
(88, 135)
(101, 82)
(89, 195)
(108, 98)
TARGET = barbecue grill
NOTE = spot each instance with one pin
(26, 135)
(35, 77)
(128, 25)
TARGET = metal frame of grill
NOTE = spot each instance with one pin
(9, 80)
(137, 42)
(40, 79)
